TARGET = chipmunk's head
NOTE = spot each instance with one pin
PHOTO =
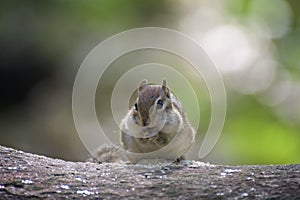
(149, 96)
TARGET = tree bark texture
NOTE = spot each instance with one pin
(29, 176)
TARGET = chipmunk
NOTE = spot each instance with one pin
(156, 127)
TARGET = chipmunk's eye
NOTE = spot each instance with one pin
(160, 103)
(135, 106)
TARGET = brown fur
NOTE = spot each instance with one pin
(146, 99)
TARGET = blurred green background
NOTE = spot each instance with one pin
(254, 43)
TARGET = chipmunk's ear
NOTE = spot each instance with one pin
(142, 84)
(165, 88)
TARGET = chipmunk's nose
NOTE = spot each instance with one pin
(145, 122)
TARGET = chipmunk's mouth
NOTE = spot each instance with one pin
(142, 121)
(150, 127)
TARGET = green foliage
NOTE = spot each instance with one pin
(256, 136)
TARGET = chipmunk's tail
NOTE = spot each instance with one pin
(108, 153)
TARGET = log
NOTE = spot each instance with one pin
(29, 176)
